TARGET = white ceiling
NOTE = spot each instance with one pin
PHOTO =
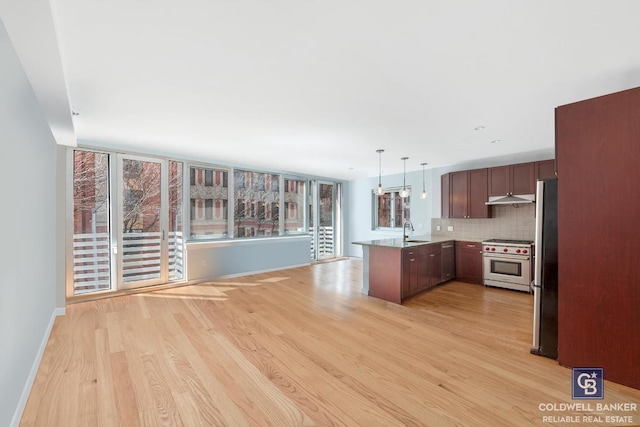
(316, 86)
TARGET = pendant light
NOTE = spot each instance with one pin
(424, 192)
(404, 193)
(380, 151)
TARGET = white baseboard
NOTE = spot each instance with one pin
(22, 403)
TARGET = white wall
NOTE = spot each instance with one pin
(27, 257)
(359, 202)
(214, 260)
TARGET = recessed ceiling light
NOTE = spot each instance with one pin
(495, 141)
(478, 127)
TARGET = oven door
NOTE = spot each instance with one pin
(507, 270)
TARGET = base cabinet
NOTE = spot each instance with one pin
(448, 261)
(424, 267)
(434, 266)
(469, 262)
(396, 274)
(411, 274)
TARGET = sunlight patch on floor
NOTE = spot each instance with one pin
(274, 279)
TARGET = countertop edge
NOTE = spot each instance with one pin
(398, 243)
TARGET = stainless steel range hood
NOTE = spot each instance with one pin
(512, 199)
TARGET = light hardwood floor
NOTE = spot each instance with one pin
(301, 347)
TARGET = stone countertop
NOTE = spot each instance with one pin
(398, 243)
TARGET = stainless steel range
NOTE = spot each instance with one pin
(507, 263)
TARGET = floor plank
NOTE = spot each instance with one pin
(301, 347)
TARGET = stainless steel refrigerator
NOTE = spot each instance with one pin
(545, 282)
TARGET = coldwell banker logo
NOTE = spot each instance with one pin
(587, 383)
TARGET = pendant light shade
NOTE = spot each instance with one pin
(424, 192)
(380, 151)
(404, 193)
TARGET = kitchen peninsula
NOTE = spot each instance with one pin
(394, 269)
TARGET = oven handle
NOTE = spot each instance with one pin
(501, 256)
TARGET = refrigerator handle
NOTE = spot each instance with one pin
(536, 285)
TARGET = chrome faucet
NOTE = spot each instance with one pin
(404, 229)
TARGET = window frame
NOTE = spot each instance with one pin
(405, 213)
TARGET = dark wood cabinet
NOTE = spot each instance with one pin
(512, 179)
(469, 262)
(445, 195)
(545, 169)
(422, 268)
(597, 146)
(411, 274)
(458, 194)
(434, 266)
(467, 194)
(448, 261)
(398, 273)
(464, 193)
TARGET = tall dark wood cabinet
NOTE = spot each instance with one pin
(598, 153)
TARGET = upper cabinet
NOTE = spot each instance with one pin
(545, 169)
(467, 194)
(512, 179)
(445, 201)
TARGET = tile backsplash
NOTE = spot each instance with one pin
(508, 222)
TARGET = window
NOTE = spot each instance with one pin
(193, 209)
(253, 192)
(239, 178)
(208, 209)
(294, 203)
(225, 210)
(91, 222)
(207, 192)
(391, 210)
(176, 221)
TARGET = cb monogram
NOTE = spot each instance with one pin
(587, 383)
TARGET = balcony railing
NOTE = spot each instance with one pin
(91, 267)
(325, 242)
(141, 259)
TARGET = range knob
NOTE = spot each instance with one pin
(524, 251)
(505, 250)
(518, 251)
(493, 249)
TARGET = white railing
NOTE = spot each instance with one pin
(325, 242)
(91, 266)
(141, 256)
(141, 259)
(176, 255)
